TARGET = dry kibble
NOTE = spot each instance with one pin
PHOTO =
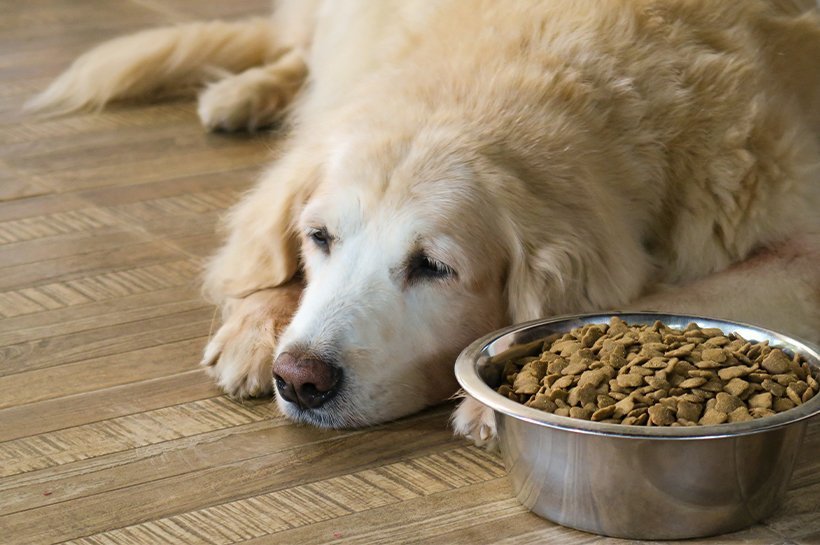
(580, 412)
(776, 389)
(693, 382)
(736, 371)
(593, 378)
(761, 401)
(776, 362)
(563, 382)
(712, 417)
(630, 380)
(574, 369)
(727, 403)
(658, 376)
(741, 414)
(543, 402)
(603, 413)
(661, 415)
(688, 410)
(604, 400)
(737, 387)
(783, 404)
(759, 412)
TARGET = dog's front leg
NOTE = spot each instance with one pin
(240, 355)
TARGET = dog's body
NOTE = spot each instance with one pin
(461, 165)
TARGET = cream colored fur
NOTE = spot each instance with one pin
(558, 156)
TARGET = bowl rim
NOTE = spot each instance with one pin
(477, 351)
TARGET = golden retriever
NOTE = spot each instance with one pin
(459, 165)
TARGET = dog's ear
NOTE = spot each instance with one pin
(564, 262)
(262, 250)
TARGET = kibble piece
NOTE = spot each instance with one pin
(591, 335)
(657, 383)
(795, 391)
(776, 389)
(757, 376)
(736, 371)
(603, 413)
(727, 403)
(661, 415)
(736, 387)
(630, 380)
(558, 395)
(713, 385)
(592, 378)
(712, 417)
(783, 404)
(580, 412)
(656, 363)
(784, 379)
(624, 406)
(557, 365)
(776, 362)
(542, 402)
(604, 400)
(741, 414)
(759, 412)
(761, 401)
(563, 382)
(526, 383)
(714, 354)
(681, 351)
(688, 410)
(574, 369)
(693, 382)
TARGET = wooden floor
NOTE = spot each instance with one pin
(109, 432)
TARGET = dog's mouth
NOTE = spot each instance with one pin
(336, 412)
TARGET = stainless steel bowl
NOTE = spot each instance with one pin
(637, 482)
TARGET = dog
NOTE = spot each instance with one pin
(456, 166)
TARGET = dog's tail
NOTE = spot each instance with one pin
(152, 60)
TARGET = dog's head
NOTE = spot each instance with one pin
(413, 244)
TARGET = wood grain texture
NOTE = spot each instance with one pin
(109, 431)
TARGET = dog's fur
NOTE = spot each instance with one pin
(545, 157)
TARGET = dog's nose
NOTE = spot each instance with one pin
(308, 382)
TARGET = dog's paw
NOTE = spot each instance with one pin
(476, 422)
(240, 355)
(255, 98)
(240, 102)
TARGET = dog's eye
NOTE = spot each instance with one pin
(320, 238)
(423, 267)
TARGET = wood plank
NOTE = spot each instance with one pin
(93, 374)
(78, 314)
(178, 323)
(100, 405)
(136, 253)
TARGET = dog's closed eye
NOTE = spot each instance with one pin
(421, 267)
(321, 238)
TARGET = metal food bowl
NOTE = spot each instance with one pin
(637, 482)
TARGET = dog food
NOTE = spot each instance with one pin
(654, 375)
